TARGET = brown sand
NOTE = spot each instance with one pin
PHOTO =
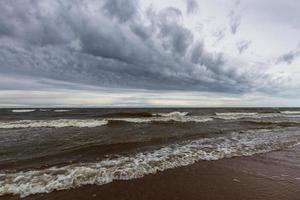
(262, 177)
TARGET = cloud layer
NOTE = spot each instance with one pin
(115, 43)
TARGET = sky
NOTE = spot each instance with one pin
(149, 53)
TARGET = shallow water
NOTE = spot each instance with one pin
(42, 150)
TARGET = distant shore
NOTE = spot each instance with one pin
(266, 176)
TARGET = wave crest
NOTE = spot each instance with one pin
(234, 115)
(196, 119)
(60, 123)
(140, 164)
(62, 110)
(171, 114)
(22, 110)
(290, 112)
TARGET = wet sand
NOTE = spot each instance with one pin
(273, 176)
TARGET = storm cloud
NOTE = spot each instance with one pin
(114, 43)
(191, 6)
(243, 45)
(289, 57)
(235, 17)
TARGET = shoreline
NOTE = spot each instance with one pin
(263, 176)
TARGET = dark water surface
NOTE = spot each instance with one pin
(42, 150)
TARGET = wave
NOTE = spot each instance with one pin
(146, 117)
(290, 112)
(171, 114)
(234, 115)
(62, 110)
(163, 119)
(145, 114)
(60, 123)
(185, 117)
(180, 117)
(254, 115)
(128, 114)
(166, 117)
(90, 123)
(22, 110)
(276, 122)
(44, 110)
(141, 164)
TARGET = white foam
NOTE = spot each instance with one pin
(62, 110)
(22, 110)
(242, 115)
(53, 123)
(81, 123)
(172, 114)
(290, 112)
(182, 119)
(167, 117)
(140, 164)
(237, 115)
(44, 110)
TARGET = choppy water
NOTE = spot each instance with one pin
(42, 150)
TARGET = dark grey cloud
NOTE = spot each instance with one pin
(175, 37)
(234, 21)
(191, 6)
(243, 45)
(219, 34)
(235, 17)
(30, 22)
(289, 57)
(108, 43)
(123, 10)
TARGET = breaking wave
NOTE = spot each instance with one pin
(254, 115)
(165, 117)
(62, 110)
(171, 114)
(60, 123)
(90, 123)
(290, 112)
(44, 110)
(141, 164)
(234, 115)
(180, 117)
(171, 118)
(128, 114)
(144, 114)
(22, 110)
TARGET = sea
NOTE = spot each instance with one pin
(46, 149)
